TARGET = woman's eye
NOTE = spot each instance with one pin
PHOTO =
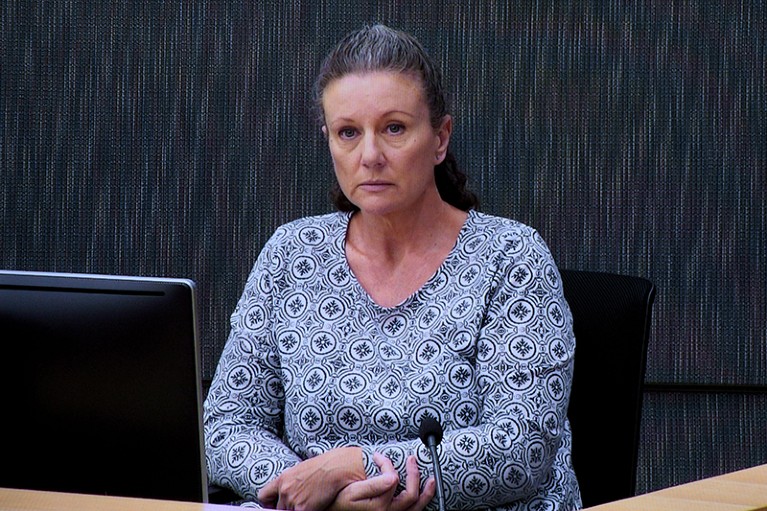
(395, 129)
(347, 132)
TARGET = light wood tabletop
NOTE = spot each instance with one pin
(33, 500)
(744, 490)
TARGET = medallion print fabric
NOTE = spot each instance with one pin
(485, 347)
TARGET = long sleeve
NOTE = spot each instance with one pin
(243, 412)
(485, 346)
(506, 434)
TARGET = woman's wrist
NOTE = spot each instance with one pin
(346, 467)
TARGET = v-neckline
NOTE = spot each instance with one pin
(462, 233)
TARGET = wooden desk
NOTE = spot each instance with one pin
(745, 490)
(30, 500)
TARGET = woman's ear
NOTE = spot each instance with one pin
(325, 131)
(443, 135)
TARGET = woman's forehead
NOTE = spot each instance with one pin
(374, 84)
(357, 97)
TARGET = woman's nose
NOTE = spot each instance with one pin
(372, 155)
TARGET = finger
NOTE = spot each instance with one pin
(372, 488)
(282, 503)
(268, 494)
(413, 476)
(384, 464)
(409, 496)
(429, 490)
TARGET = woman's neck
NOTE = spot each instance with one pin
(392, 237)
(393, 260)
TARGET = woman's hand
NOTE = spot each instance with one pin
(372, 494)
(314, 484)
(377, 493)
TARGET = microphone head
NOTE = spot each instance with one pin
(430, 427)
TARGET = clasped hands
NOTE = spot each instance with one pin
(335, 481)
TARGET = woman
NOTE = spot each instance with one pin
(406, 303)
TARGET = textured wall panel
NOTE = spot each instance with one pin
(686, 437)
(171, 138)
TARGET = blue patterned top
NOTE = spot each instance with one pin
(485, 346)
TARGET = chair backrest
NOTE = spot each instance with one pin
(611, 319)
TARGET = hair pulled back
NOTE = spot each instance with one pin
(380, 48)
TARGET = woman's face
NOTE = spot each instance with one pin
(383, 145)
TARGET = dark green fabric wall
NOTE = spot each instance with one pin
(170, 138)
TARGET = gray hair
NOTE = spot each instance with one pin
(380, 48)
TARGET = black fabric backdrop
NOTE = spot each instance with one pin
(171, 138)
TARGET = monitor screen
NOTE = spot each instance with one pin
(100, 383)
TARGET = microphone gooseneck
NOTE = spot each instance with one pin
(430, 432)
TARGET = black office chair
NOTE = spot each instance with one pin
(611, 319)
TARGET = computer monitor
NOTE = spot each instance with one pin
(100, 386)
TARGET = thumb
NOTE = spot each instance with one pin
(268, 494)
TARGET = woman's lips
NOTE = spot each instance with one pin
(375, 186)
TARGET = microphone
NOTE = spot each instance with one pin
(430, 432)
